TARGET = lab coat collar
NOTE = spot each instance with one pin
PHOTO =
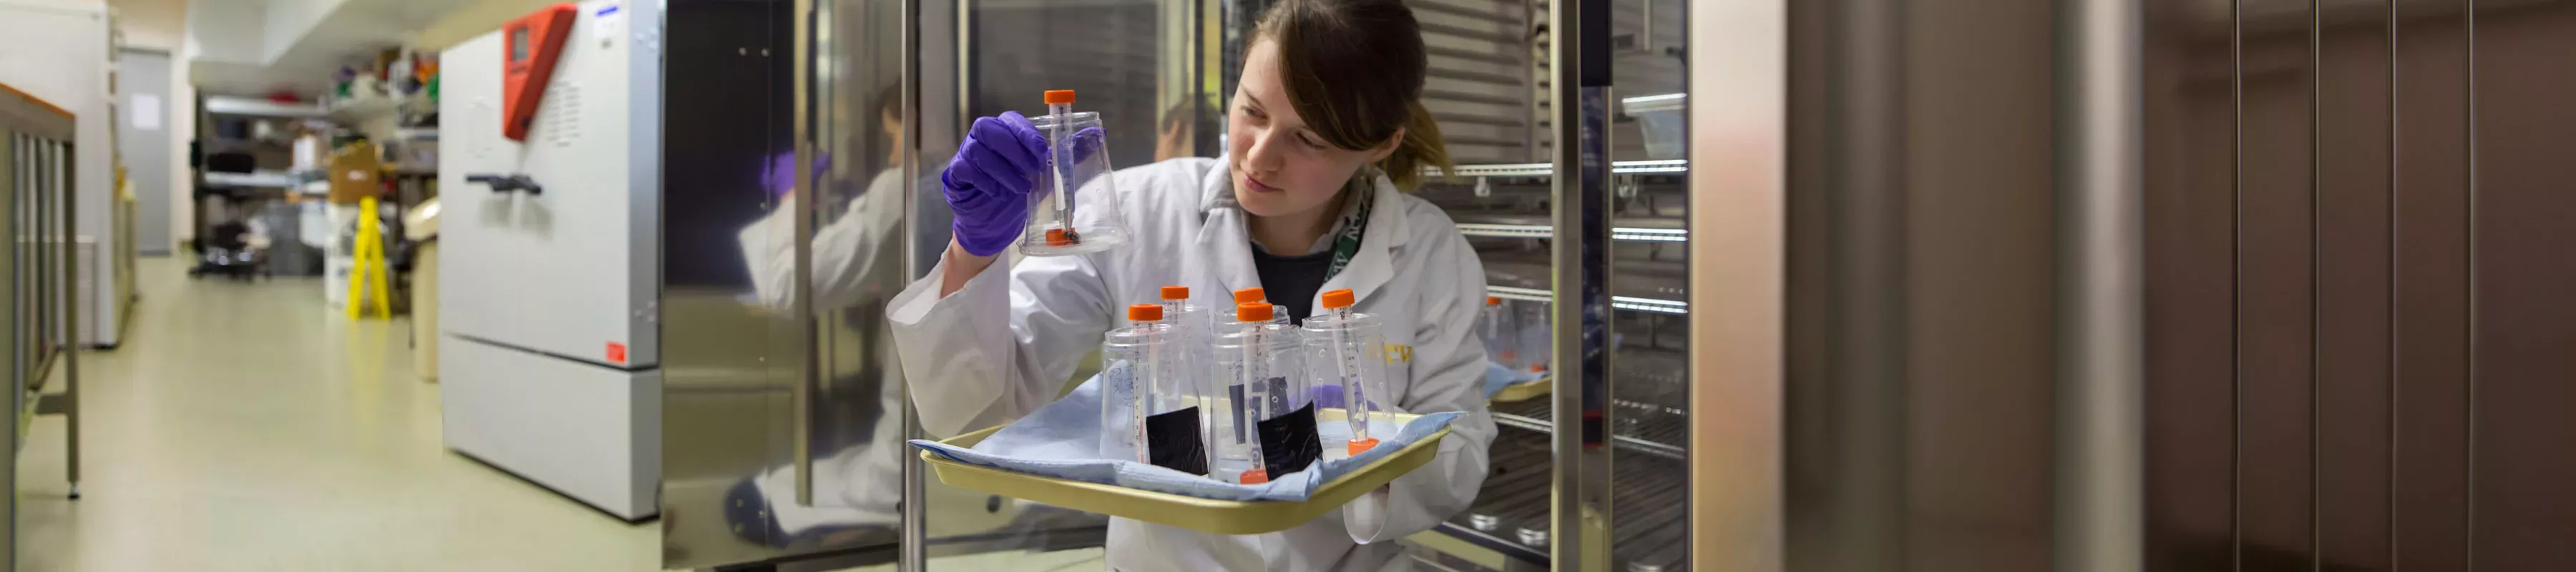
(1223, 238)
(1226, 239)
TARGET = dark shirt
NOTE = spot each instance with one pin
(1291, 281)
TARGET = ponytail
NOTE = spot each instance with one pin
(1421, 149)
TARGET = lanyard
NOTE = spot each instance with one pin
(1347, 246)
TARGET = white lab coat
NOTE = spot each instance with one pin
(849, 253)
(1007, 342)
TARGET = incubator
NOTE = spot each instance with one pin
(1074, 208)
(1149, 401)
(1260, 362)
(1345, 351)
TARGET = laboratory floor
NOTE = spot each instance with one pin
(244, 426)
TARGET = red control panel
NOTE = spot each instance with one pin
(528, 62)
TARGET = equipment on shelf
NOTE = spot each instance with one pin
(229, 251)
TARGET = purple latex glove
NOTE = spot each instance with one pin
(989, 182)
(1326, 395)
(779, 177)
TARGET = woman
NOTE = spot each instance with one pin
(1325, 127)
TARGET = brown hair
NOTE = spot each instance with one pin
(1353, 69)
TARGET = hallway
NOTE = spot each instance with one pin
(248, 427)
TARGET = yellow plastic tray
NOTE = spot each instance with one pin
(1525, 390)
(1206, 515)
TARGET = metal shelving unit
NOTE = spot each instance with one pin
(1544, 170)
(1523, 222)
(1625, 233)
(1644, 286)
(1645, 424)
(1510, 515)
(38, 142)
(1656, 305)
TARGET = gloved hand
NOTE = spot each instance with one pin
(779, 177)
(989, 182)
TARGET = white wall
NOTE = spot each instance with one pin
(183, 128)
(57, 50)
(474, 19)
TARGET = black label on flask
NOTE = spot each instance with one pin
(1288, 442)
(1235, 392)
(1172, 441)
(1273, 393)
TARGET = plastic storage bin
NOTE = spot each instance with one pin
(1661, 123)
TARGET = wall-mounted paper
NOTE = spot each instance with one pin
(147, 111)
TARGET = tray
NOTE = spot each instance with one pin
(1205, 515)
(1525, 390)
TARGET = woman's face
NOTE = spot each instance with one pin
(1281, 167)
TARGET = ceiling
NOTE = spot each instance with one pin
(154, 24)
(236, 47)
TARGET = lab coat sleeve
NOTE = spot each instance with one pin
(1449, 372)
(1002, 345)
(845, 252)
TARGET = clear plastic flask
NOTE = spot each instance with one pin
(1535, 333)
(1227, 425)
(1177, 309)
(1259, 362)
(1250, 295)
(1074, 208)
(1345, 351)
(1494, 327)
(1150, 403)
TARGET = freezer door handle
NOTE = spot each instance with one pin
(507, 183)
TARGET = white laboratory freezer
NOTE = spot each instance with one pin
(583, 430)
(548, 301)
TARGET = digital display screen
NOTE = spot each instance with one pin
(519, 44)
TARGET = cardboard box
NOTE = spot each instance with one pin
(357, 172)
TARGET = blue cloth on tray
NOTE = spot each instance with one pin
(1498, 377)
(1061, 440)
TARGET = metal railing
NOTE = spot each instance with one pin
(36, 182)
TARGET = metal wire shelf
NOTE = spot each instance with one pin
(1641, 427)
(1547, 169)
(1638, 234)
(1649, 506)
